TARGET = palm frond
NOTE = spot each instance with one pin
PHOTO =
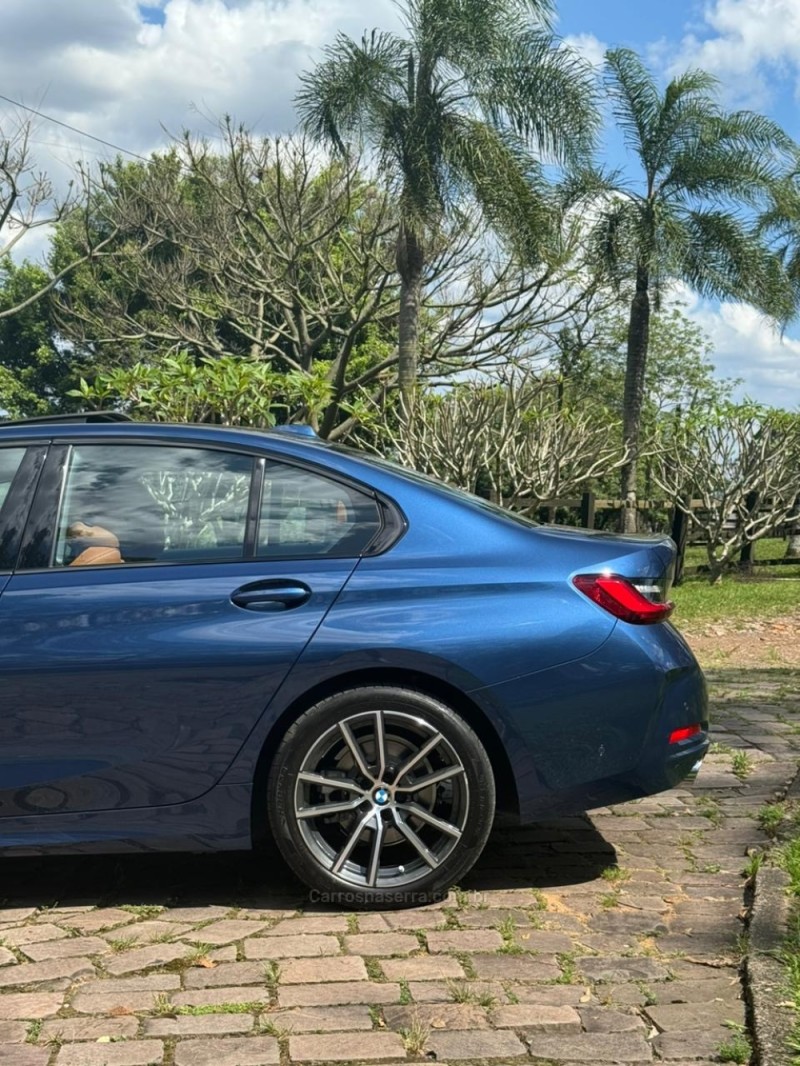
(635, 101)
(544, 91)
(508, 185)
(350, 92)
(725, 259)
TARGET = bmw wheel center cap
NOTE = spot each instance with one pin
(381, 797)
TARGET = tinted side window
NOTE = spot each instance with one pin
(304, 513)
(141, 504)
(10, 459)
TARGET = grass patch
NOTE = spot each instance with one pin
(788, 858)
(735, 1049)
(741, 764)
(143, 910)
(769, 592)
(613, 874)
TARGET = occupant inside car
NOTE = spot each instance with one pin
(92, 545)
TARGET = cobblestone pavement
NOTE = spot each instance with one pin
(610, 939)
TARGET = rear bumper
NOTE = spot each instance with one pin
(596, 731)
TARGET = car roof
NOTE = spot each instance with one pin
(299, 442)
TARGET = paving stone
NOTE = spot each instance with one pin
(287, 947)
(694, 991)
(536, 1016)
(7, 958)
(192, 915)
(442, 991)
(95, 921)
(151, 982)
(144, 958)
(687, 1044)
(389, 921)
(66, 949)
(314, 971)
(214, 997)
(227, 973)
(422, 968)
(148, 932)
(515, 967)
(465, 940)
(437, 1016)
(29, 1005)
(228, 930)
(338, 992)
(590, 1047)
(310, 923)
(382, 943)
(13, 1033)
(14, 915)
(128, 1053)
(30, 973)
(324, 1019)
(201, 1025)
(226, 954)
(471, 1044)
(551, 995)
(672, 1016)
(23, 1055)
(32, 934)
(621, 968)
(598, 1020)
(113, 1002)
(332, 1048)
(69, 1029)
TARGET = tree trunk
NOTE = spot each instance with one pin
(410, 263)
(793, 547)
(633, 397)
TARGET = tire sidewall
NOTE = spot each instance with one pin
(300, 737)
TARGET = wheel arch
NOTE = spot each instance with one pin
(505, 783)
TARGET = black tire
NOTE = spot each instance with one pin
(426, 834)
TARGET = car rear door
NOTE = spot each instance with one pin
(163, 594)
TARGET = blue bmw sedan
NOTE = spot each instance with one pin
(212, 636)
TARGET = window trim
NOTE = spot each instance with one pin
(21, 492)
(44, 510)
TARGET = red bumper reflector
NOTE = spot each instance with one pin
(684, 733)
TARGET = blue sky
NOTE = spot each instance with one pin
(129, 72)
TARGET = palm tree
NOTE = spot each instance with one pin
(705, 175)
(454, 112)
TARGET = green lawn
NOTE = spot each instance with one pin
(770, 592)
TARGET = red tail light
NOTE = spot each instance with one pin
(683, 734)
(621, 598)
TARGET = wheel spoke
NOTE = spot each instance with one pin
(438, 823)
(412, 838)
(380, 744)
(330, 782)
(355, 750)
(346, 851)
(320, 809)
(377, 847)
(423, 751)
(431, 779)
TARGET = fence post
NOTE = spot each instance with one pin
(746, 554)
(680, 530)
(587, 510)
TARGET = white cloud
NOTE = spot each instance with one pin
(746, 346)
(749, 44)
(590, 47)
(108, 68)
